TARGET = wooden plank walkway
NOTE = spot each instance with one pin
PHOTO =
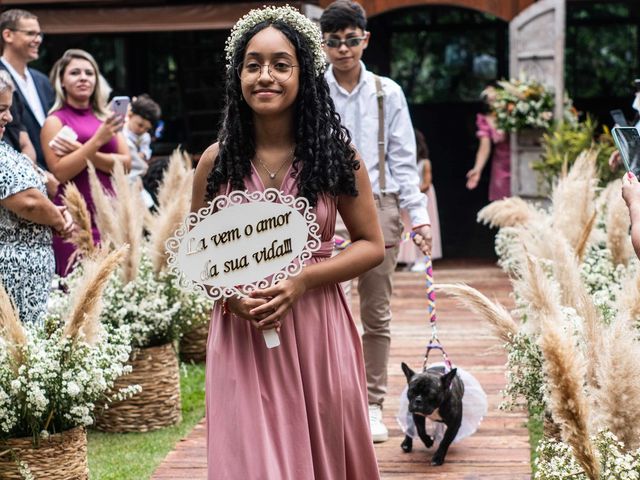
(499, 450)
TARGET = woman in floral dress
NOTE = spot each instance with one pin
(27, 218)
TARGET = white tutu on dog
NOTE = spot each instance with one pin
(474, 408)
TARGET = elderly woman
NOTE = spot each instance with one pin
(27, 218)
(80, 105)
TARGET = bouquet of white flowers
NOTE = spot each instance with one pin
(153, 307)
(522, 103)
(556, 460)
(51, 376)
(143, 296)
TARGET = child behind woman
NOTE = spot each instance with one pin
(143, 115)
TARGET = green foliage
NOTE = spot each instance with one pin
(566, 141)
(134, 456)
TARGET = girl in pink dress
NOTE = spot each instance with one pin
(494, 143)
(298, 411)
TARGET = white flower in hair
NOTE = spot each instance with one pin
(286, 14)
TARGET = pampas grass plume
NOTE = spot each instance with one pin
(83, 323)
(573, 198)
(536, 289)
(105, 213)
(82, 238)
(130, 212)
(618, 395)
(174, 202)
(10, 327)
(617, 225)
(495, 313)
(167, 221)
(508, 212)
(565, 370)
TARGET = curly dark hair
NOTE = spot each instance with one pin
(324, 161)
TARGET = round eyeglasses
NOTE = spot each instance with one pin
(250, 72)
(349, 42)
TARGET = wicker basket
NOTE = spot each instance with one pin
(155, 369)
(193, 345)
(62, 456)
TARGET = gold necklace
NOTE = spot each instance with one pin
(272, 175)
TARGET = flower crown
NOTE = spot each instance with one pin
(286, 14)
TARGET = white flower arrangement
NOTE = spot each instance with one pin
(52, 375)
(142, 295)
(286, 14)
(525, 377)
(556, 460)
(56, 385)
(154, 308)
(602, 278)
(524, 103)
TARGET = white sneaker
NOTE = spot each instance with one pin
(419, 266)
(379, 431)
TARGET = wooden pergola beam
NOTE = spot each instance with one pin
(504, 9)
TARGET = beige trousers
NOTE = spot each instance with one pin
(375, 288)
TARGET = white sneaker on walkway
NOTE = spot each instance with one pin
(379, 431)
(419, 266)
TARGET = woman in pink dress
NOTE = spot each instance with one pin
(298, 411)
(494, 143)
(80, 105)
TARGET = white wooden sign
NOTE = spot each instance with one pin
(242, 242)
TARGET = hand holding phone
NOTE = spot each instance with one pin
(627, 140)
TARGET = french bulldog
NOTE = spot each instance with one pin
(436, 395)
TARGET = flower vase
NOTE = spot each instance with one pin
(61, 456)
(158, 405)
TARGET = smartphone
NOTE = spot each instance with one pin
(618, 118)
(628, 142)
(119, 105)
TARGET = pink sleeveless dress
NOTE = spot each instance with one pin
(298, 411)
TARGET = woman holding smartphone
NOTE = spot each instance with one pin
(80, 105)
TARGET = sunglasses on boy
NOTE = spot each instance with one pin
(349, 42)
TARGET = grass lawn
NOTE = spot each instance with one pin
(134, 456)
(535, 435)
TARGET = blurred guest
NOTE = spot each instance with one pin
(409, 253)
(20, 39)
(143, 115)
(494, 144)
(80, 106)
(27, 218)
(631, 195)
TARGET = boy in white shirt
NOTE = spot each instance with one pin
(392, 171)
(143, 115)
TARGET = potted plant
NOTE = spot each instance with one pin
(52, 375)
(143, 296)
